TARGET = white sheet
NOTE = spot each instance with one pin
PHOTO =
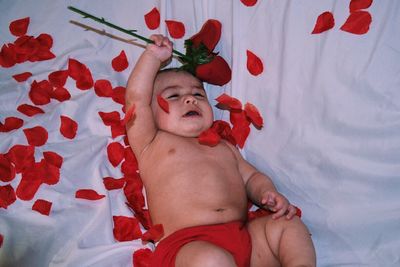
(330, 103)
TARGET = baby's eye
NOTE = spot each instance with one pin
(198, 94)
(172, 96)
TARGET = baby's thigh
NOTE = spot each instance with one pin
(202, 253)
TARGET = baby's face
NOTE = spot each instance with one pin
(189, 110)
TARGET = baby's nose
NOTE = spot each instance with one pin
(190, 100)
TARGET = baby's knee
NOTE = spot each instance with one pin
(200, 253)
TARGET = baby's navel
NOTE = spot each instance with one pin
(220, 210)
(171, 151)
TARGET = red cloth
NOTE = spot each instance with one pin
(232, 237)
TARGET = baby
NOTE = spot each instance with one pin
(200, 193)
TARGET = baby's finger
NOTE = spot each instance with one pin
(291, 212)
(279, 214)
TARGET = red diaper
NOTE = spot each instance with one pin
(232, 237)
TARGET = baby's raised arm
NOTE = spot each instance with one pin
(142, 129)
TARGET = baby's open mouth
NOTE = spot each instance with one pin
(191, 113)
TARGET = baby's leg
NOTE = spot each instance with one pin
(281, 242)
(202, 253)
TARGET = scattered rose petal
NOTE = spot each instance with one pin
(325, 21)
(22, 77)
(68, 127)
(356, 5)
(110, 118)
(112, 183)
(42, 206)
(126, 228)
(120, 62)
(61, 94)
(227, 102)
(8, 57)
(19, 27)
(239, 117)
(103, 88)
(88, 194)
(358, 22)
(240, 133)
(10, 124)
(40, 92)
(21, 156)
(209, 137)
(53, 158)
(142, 257)
(7, 170)
(115, 152)
(118, 95)
(128, 115)
(163, 103)
(254, 63)
(215, 72)
(152, 19)
(1, 238)
(45, 40)
(249, 2)
(254, 115)
(209, 34)
(154, 234)
(50, 173)
(7, 196)
(175, 28)
(117, 130)
(36, 136)
(58, 78)
(29, 110)
(80, 73)
(29, 184)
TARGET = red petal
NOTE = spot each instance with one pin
(358, 22)
(216, 72)
(249, 2)
(224, 130)
(1, 238)
(68, 127)
(209, 137)
(128, 115)
(253, 114)
(251, 215)
(227, 102)
(142, 257)
(117, 130)
(120, 62)
(28, 185)
(112, 183)
(58, 78)
(29, 110)
(103, 88)
(21, 156)
(50, 174)
(209, 34)
(8, 56)
(45, 40)
(11, 123)
(19, 27)
(7, 170)
(61, 94)
(175, 28)
(80, 73)
(110, 118)
(88, 194)
(126, 228)
(254, 64)
(238, 117)
(152, 19)
(163, 103)
(36, 136)
(356, 5)
(115, 152)
(240, 132)
(22, 77)
(42, 206)
(325, 21)
(40, 92)
(154, 234)
(7, 196)
(53, 158)
(118, 94)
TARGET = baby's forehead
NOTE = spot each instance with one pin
(173, 79)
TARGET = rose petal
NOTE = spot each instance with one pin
(42, 206)
(68, 127)
(240, 132)
(81, 74)
(126, 228)
(115, 152)
(254, 64)
(10, 124)
(21, 156)
(103, 88)
(163, 103)
(251, 215)
(227, 102)
(7, 196)
(7, 170)
(118, 94)
(22, 77)
(53, 158)
(356, 5)
(40, 92)
(29, 184)
(325, 21)
(58, 78)
(29, 110)
(154, 234)
(120, 62)
(152, 19)
(238, 117)
(1, 238)
(129, 115)
(117, 130)
(61, 94)
(249, 2)
(215, 72)
(36, 136)
(112, 183)
(175, 28)
(8, 56)
(50, 173)
(45, 40)
(110, 118)
(209, 34)
(88, 194)
(142, 257)
(224, 130)
(254, 115)
(358, 22)
(19, 27)
(209, 137)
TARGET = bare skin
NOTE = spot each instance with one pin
(189, 184)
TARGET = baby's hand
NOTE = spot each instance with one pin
(278, 204)
(161, 48)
